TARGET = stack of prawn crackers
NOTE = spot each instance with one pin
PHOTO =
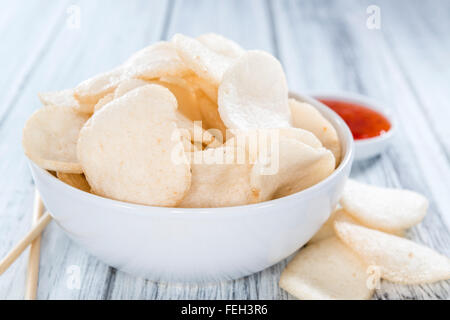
(192, 122)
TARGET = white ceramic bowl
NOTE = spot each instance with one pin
(371, 147)
(201, 245)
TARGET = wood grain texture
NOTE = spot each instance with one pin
(323, 45)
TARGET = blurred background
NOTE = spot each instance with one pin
(397, 52)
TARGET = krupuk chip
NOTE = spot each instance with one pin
(50, 138)
(127, 150)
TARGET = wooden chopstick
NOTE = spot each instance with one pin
(23, 244)
(34, 255)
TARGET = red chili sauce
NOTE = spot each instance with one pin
(363, 122)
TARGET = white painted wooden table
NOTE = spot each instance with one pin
(324, 46)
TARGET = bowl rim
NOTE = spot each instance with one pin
(139, 209)
(367, 102)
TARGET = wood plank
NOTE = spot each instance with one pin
(71, 56)
(337, 53)
(421, 50)
(25, 48)
(246, 22)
